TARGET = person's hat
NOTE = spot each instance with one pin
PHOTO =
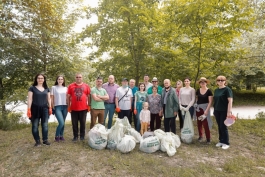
(125, 79)
(155, 79)
(204, 80)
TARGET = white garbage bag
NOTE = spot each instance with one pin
(126, 144)
(168, 144)
(150, 144)
(187, 131)
(176, 139)
(135, 134)
(159, 133)
(147, 134)
(126, 124)
(115, 135)
(97, 137)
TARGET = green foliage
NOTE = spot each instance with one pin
(249, 98)
(260, 115)
(11, 120)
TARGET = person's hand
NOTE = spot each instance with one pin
(175, 113)
(88, 108)
(135, 111)
(50, 111)
(69, 109)
(195, 105)
(118, 109)
(181, 107)
(160, 113)
(205, 113)
(186, 109)
(29, 113)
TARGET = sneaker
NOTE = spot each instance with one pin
(37, 143)
(219, 144)
(75, 139)
(225, 146)
(208, 141)
(200, 139)
(62, 138)
(46, 142)
(57, 139)
(82, 138)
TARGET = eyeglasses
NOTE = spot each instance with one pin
(154, 81)
(78, 77)
(220, 80)
(202, 82)
(40, 78)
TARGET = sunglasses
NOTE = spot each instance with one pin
(220, 80)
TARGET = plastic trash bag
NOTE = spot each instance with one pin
(147, 134)
(135, 134)
(125, 123)
(176, 140)
(150, 144)
(159, 133)
(97, 137)
(126, 144)
(187, 131)
(115, 135)
(168, 144)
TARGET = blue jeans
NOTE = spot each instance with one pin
(191, 110)
(109, 109)
(60, 114)
(44, 125)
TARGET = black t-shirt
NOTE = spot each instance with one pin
(201, 99)
(39, 98)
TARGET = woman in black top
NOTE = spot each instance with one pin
(39, 108)
(204, 98)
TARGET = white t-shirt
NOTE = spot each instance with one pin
(59, 93)
(125, 102)
(145, 116)
(147, 86)
(187, 96)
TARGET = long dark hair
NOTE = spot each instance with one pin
(44, 82)
(141, 84)
(56, 82)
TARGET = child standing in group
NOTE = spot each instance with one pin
(144, 118)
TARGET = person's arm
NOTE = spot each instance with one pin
(117, 102)
(30, 94)
(229, 108)
(68, 100)
(52, 101)
(105, 97)
(175, 97)
(135, 100)
(49, 99)
(96, 97)
(193, 95)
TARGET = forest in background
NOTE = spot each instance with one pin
(168, 39)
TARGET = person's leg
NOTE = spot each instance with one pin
(101, 116)
(127, 113)
(60, 119)
(199, 123)
(217, 117)
(44, 124)
(64, 112)
(111, 113)
(173, 124)
(158, 121)
(83, 115)
(74, 119)
(191, 110)
(206, 129)
(180, 119)
(106, 113)
(167, 124)
(35, 128)
(145, 126)
(223, 127)
(142, 128)
(121, 114)
(138, 125)
(93, 116)
(152, 122)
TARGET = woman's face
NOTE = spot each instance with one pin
(187, 82)
(40, 79)
(179, 85)
(141, 87)
(220, 81)
(154, 90)
(60, 80)
(203, 84)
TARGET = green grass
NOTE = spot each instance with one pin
(245, 157)
(249, 98)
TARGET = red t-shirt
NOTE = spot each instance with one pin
(78, 95)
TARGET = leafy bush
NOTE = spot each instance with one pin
(10, 120)
(260, 115)
(248, 97)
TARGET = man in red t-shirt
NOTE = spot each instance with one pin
(78, 100)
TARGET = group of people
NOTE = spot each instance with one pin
(143, 106)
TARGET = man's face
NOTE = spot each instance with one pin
(78, 78)
(146, 78)
(166, 83)
(99, 82)
(155, 83)
(124, 83)
(111, 79)
(132, 83)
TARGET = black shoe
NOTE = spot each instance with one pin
(46, 142)
(82, 138)
(75, 139)
(37, 143)
(208, 141)
(200, 139)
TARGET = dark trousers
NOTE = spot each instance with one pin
(220, 117)
(155, 119)
(169, 122)
(203, 124)
(81, 117)
(132, 115)
(124, 113)
(180, 119)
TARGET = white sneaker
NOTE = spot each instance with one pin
(219, 144)
(225, 146)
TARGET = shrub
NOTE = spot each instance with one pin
(10, 120)
(260, 115)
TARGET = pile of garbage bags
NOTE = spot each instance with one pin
(123, 137)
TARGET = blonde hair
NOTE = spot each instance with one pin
(222, 78)
(181, 83)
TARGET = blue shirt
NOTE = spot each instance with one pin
(134, 90)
